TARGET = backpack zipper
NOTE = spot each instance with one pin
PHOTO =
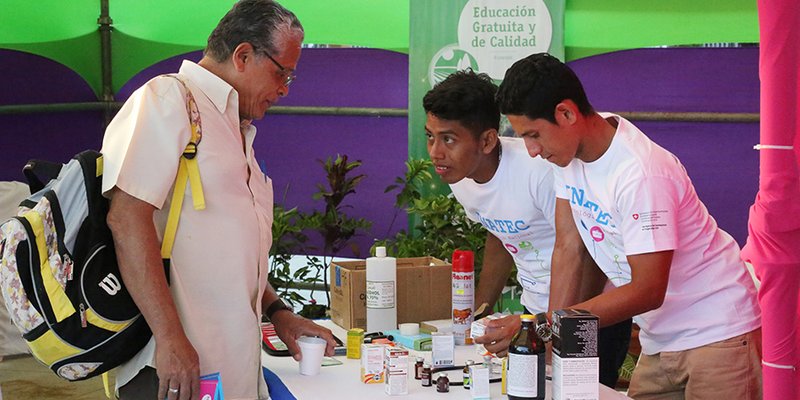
(82, 309)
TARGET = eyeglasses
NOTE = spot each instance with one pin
(290, 77)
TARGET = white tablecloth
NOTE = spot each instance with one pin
(343, 381)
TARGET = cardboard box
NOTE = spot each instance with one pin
(423, 291)
(575, 361)
(373, 369)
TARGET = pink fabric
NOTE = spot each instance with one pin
(773, 245)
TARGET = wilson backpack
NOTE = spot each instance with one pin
(58, 269)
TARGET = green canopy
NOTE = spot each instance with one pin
(147, 31)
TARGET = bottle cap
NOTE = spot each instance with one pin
(355, 332)
(420, 359)
(380, 251)
(463, 261)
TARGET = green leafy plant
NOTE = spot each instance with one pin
(333, 224)
(417, 173)
(287, 237)
(443, 226)
(291, 227)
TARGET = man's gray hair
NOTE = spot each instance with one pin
(252, 21)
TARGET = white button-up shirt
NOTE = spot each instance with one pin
(219, 262)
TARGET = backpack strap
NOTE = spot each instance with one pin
(39, 172)
(188, 171)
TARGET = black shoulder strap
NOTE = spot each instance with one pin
(39, 172)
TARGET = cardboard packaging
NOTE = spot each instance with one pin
(423, 291)
(373, 369)
(439, 325)
(479, 382)
(396, 362)
(575, 362)
(443, 351)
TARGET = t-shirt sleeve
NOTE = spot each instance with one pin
(542, 185)
(143, 143)
(461, 195)
(558, 183)
(649, 208)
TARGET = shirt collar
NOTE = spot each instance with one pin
(214, 87)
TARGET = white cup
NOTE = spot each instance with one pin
(311, 349)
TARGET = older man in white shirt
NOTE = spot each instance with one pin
(207, 319)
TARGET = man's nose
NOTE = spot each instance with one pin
(434, 149)
(534, 149)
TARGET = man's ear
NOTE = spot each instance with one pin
(489, 140)
(566, 112)
(243, 53)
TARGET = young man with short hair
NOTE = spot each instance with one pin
(511, 195)
(629, 204)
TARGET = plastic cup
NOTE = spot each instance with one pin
(312, 349)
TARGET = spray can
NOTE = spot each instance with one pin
(381, 292)
(463, 295)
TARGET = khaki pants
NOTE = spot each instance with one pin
(729, 369)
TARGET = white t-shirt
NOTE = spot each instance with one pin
(518, 207)
(637, 198)
(219, 262)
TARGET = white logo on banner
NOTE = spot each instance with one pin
(492, 35)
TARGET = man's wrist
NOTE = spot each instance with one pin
(274, 307)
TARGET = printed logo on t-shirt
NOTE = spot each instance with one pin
(593, 210)
(503, 225)
(597, 234)
(650, 220)
(511, 248)
(525, 245)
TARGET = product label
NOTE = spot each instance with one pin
(575, 378)
(522, 375)
(380, 294)
(442, 349)
(463, 298)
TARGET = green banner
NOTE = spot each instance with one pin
(485, 35)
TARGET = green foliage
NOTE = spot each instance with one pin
(443, 225)
(334, 226)
(417, 173)
(287, 236)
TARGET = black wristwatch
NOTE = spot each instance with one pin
(276, 306)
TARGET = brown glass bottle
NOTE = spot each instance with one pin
(525, 367)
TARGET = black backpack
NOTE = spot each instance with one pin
(58, 269)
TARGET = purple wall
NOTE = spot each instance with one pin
(719, 157)
(57, 136)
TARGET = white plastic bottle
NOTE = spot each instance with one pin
(381, 292)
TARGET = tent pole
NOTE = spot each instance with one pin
(105, 22)
(112, 107)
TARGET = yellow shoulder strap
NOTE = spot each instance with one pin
(188, 171)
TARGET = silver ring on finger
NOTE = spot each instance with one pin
(174, 390)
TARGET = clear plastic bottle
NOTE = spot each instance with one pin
(525, 368)
(381, 292)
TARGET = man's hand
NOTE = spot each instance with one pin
(290, 326)
(178, 368)
(499, 333)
